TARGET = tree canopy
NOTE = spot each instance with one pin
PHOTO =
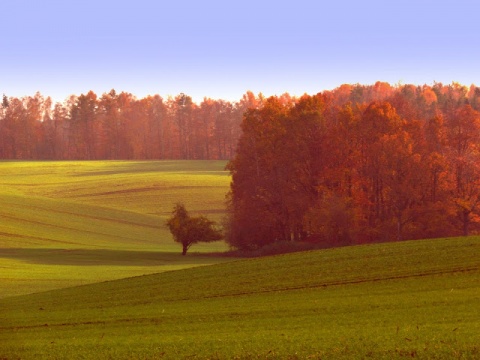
(118, 125)
(188, 230)
(323, 168)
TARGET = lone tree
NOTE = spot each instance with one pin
(188, 230)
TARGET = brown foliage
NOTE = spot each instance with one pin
(358, 171)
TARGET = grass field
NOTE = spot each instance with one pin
(88, 271)
(416, 299)
(58, 217)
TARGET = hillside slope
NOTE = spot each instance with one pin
(29, 221)
(415, 299)
(89, 204)
(68, 223)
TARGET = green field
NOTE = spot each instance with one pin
(417, 299)
(58, 217)
(89, 271)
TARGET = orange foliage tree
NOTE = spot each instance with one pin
(360, 171)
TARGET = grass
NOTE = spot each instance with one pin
(68, 227)
(417, 299)
(58, 217)
(144, 187)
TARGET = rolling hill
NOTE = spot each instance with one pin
(416, 299)
(57, 217)
(89, 271)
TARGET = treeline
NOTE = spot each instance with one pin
(358, 164)
(120, 126)
(355, 164)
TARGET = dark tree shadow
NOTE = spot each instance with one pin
(94, 257)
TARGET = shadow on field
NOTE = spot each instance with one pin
(196, 167)
(95, 257)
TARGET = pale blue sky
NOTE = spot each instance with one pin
(221, 49)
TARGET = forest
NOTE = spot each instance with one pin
(120, 126)
(360, 163)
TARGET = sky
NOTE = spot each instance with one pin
(221, 49)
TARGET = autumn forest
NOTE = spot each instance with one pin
(356, 165)
(360, 163)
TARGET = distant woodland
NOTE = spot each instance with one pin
(120, 126)
(356, 164)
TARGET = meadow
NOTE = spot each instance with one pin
(88, 271)
(415, 299)
(72, 223)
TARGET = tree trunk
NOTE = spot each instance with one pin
(184, 250)
(466, 222)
